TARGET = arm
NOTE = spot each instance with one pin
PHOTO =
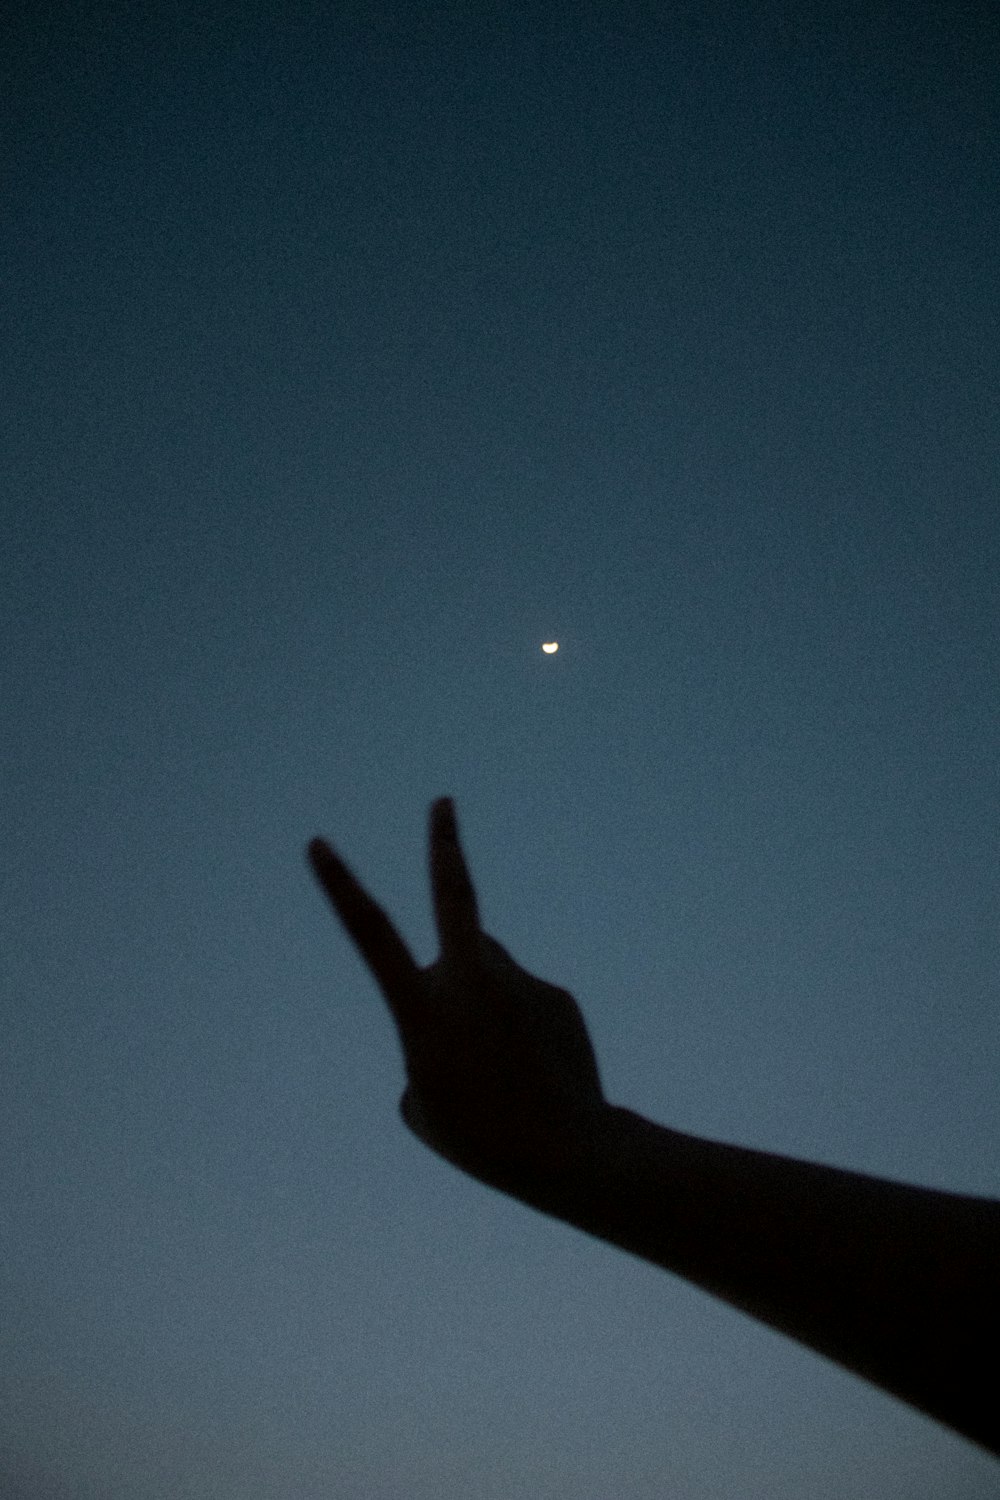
(896, 1283)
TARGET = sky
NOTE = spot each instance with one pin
(350, 353)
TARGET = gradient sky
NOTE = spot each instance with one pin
(350, 352)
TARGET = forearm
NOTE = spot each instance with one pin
(896, 1283)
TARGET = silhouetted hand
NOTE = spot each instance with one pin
(897, 1283)
(502, 1078)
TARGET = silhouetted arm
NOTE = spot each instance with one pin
(896, 1283)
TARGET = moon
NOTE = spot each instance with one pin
(550, 647)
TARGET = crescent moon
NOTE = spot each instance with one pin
(550, 647)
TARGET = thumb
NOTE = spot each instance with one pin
(415, 1119)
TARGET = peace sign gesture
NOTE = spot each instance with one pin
(501, 1073)
(894, 1282)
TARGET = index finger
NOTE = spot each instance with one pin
(456, 910)
(370, 930)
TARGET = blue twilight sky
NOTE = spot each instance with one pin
(350, 352)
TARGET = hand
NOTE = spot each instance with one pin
(502, 1078)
